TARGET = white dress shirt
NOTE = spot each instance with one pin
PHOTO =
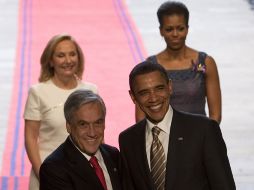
(164, 125)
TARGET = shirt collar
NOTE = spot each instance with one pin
(97, 154)
(165, 124)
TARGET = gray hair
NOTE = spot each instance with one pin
(78, 98)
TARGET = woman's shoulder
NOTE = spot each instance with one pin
(40, 86)
(199, 56)
(192, 53)
(206, 61)
(152, 59)
(89, 86)
(204, 58)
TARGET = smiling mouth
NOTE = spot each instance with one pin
(156, 107)
(68, 67)
(91, 140)
(176, 42)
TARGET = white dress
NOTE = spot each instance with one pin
(45, 104)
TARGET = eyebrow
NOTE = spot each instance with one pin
(84, 121)
(147, 89)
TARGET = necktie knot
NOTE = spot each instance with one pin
(93, 160)
(156, 131)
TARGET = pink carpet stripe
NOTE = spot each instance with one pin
(14, 183)
(111, 46)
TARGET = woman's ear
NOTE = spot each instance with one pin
(161, 31)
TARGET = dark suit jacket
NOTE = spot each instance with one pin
(197, 156)
(67, 169)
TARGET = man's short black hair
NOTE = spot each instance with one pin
(144, 68)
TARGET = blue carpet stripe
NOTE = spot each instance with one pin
(129, 32)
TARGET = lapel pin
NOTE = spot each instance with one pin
(180, 138)
(115, 170)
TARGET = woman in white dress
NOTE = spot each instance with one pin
(62, 65)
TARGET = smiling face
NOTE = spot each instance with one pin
(65, 59)
(174, 31)
(87, 127)
(151, 93)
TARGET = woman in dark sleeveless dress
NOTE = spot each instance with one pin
(194, 74)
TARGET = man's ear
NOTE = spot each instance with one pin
(132, 96)
(68, 127)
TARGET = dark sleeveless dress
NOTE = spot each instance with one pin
(189, 92)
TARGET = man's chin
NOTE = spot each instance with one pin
(90, 151)
(155, 120)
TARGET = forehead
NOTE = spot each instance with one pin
(65, 44)
(89, 111)
(149, 80)
(173, 19)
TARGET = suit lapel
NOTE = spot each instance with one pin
(111, 167)
(141, 156)
(173, 150)
(80, 165)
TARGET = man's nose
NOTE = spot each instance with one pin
(153, 96)
(91, 130)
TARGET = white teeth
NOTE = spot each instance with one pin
(91, 140)
(155, 107)
(67, 67)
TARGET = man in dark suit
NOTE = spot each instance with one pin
(82, 162)
(169, 149)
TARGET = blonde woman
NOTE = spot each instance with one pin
(62, 66)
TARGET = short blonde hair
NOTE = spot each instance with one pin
(47, 72)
